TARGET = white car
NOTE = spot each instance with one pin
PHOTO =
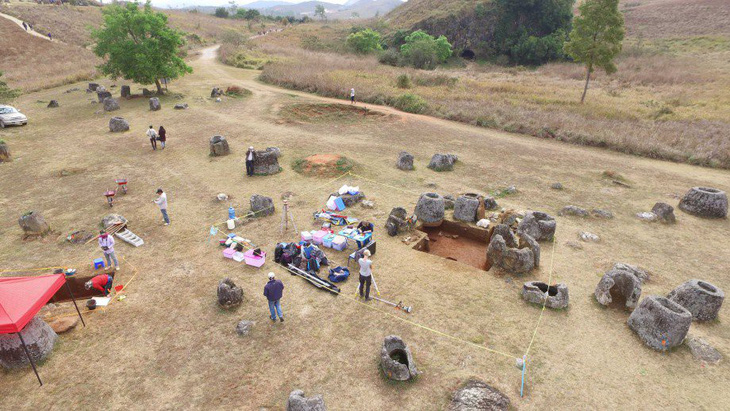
(10, 116)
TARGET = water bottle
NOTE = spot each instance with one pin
(231, 213)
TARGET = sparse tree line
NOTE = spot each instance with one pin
(527, 32)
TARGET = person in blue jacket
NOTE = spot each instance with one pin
(273, 290)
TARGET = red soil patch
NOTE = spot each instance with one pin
(323, 165)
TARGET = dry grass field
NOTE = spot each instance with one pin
(169, 346)
(668, 100)
(31, 63)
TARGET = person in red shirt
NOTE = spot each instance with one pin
(102, 282)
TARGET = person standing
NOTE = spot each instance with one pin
(152, 134)
(102, 282)
(50, 37)
(250, 155)
(25, 26)
(273, 290)
(366, 274)
(352, 96)
(106, 242)
(162, 137)
(161, 202)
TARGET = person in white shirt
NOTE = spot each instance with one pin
(352, 96)
(161, 202)
(152, 134)
(250, 154)
(366, 274)
(106, 242)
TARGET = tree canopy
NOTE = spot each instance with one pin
(137, 44)
(532, 31)
(364, 41)
(320, 11)
(596, 37)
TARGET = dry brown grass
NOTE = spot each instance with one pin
(31, 63)
(168, 345)
(676, 18)
(649, 108)
(70, 24)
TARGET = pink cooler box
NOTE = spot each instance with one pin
(253, 260)
(318, 237)
(339, 243)
(228, 252)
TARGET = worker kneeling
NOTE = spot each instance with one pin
(102, 282)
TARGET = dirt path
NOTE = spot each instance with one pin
(29, 31)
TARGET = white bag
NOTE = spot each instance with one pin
(344, 189)
(354, 190)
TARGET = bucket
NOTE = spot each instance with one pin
(91, 304)
(231, 224)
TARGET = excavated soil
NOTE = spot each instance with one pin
(323, 165)
(328, 113)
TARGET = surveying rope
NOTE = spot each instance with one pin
(387, 185)
(254, 213)
(544, 303)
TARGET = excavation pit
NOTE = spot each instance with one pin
(456, 242)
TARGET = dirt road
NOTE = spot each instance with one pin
(29, 31)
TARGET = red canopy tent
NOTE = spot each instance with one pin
(20, 300)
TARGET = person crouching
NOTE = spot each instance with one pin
(101, 282)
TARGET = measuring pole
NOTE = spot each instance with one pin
(524, 365)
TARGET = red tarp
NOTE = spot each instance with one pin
(22, 297)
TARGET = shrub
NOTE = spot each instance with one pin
(411, 103)
(235, 91)
(221, 12)
(312, 43)
(7, 93)
(364, 41)
(423, 51)
(390, 57)
(404, 81)
(533, 50)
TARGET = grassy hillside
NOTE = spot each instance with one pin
(670, 98)
(414, 11)
(71, 59)
(31, 63)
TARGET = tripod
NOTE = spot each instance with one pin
(285, 217)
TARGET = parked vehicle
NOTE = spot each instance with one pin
(10, 116)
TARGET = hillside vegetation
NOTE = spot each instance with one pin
(670, 98)
(31, 63)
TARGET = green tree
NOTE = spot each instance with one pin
(250, 14)
(424, 51)
(7, 94)
(596, 37)
(531, 31)
(320, 11)
(364, 41)
(137, 44)
(221, 12)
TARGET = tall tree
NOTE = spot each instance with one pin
(137, 44)
(596, 37)
(320, 11)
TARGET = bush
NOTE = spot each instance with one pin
(423, 51)
(390, 57)
(7, 94)
(411, 103)
(404, 81)
(221, 12)
(364, 41)
(235, 91)
(312, 43)
(533, 50)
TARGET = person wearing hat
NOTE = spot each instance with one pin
(161, 202)
(273, 291)
(250, 155)
(102, 282)
(106, 242)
